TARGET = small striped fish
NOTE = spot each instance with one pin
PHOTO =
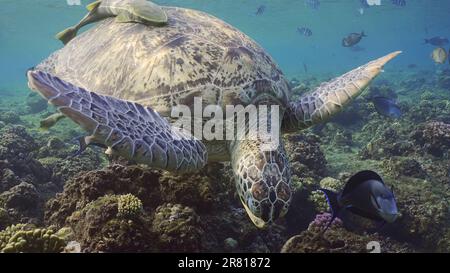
(400, 3)
(261, 9)
(312, 4)
(304, 31)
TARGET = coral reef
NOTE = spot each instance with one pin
(179, 228)
(322, 220)
(318, 197)
(10, 117)
(90, 201)
(5, 219)
(444, 79)
(386, 143)
(8, 232)
(338, 240)
(431, 109)
(197, 191)
(129, 206)
(23, 238)
(99, 228)
(434, 137)
(424, 215)
(27, 179)
(306, 157)
(22, 202)
(88, 187)
(16, 147)
(404, 166)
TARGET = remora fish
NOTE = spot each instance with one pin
(139, 11)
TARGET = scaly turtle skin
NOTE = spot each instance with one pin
(120, 82)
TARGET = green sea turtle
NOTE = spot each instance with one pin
(120, 82)
(125, 11)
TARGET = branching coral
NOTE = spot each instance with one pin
(20, 238)
(129, 206)
(322, 220)
(97, 227)
(317, 196)
(7, 233)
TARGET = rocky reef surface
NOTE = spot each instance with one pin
(51, 201)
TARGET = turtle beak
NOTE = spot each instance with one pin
(257, 221)
(29, 69)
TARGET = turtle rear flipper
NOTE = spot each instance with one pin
(126, 128)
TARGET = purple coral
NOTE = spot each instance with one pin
(321, 221)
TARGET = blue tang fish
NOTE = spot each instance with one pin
(386, 107)
(365, 194)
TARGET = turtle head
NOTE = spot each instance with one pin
(262, 181)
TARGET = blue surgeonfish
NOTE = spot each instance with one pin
(386, 107)
(365, 194)
(437, 41)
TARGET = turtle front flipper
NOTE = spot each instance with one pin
(126, 128)
(331, 97)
